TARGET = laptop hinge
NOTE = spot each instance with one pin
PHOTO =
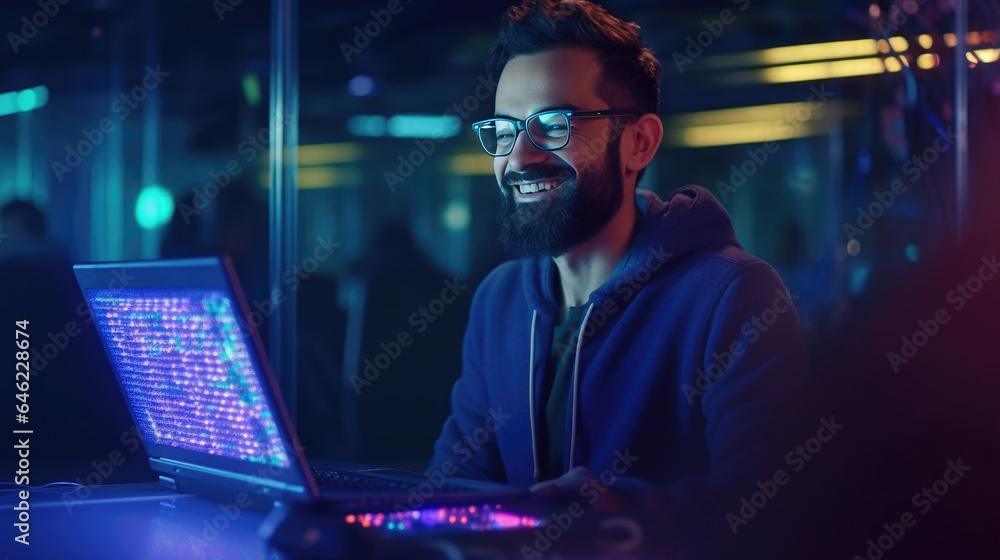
(168, 483)
(186, 470)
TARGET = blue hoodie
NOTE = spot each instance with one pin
(689, 356)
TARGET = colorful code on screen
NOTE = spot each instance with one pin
(186, 368)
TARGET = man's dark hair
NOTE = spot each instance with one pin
(630, 73)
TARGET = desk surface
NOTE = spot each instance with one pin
(141, 521)
(136, 521)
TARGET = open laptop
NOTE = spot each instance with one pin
(203, 397)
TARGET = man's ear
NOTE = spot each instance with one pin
(642, 140)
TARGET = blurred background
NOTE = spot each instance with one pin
(141, 129)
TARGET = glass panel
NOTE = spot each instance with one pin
(137, 131)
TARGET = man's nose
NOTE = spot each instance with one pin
(525, 153)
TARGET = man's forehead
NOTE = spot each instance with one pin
(559, 78)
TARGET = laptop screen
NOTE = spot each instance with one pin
(195, 376)
(186, 369)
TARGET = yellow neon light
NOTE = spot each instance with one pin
(928, 60)
(743, 133)
(810, 71)
(470, 164)
(319, 177)
(324, 154)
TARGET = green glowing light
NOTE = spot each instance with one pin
(456, 216)
(26, 100)
(423, 126)
(251, 88)
(154, 207)
(8, 103)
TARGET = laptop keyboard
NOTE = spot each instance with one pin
(351, 481)
(347, 481)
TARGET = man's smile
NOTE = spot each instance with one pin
(536, 189)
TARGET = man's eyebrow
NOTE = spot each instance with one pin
(561, 107)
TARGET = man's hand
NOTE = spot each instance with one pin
(610, 530)
(565, 484)
(581, 485)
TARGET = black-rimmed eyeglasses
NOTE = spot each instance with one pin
(548, 130)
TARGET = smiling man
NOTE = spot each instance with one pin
(633, 337)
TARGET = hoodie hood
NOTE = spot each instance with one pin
(689, 220)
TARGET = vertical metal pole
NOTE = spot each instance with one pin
(113, 187)
(961, 115)
(150, 126)
(116, 195)
(283, 201)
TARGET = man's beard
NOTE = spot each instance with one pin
(555, 224)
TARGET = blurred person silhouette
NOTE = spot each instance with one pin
(791, 265)
(402, 389)
(23, 235)
(184, 235)
(238, 223)
(322, 326)
(75, 408)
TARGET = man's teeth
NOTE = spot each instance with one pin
(528, 188)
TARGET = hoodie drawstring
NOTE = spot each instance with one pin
(576, 392)
(576, 385)
(531, 397)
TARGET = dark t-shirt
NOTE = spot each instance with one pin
(555, 391)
